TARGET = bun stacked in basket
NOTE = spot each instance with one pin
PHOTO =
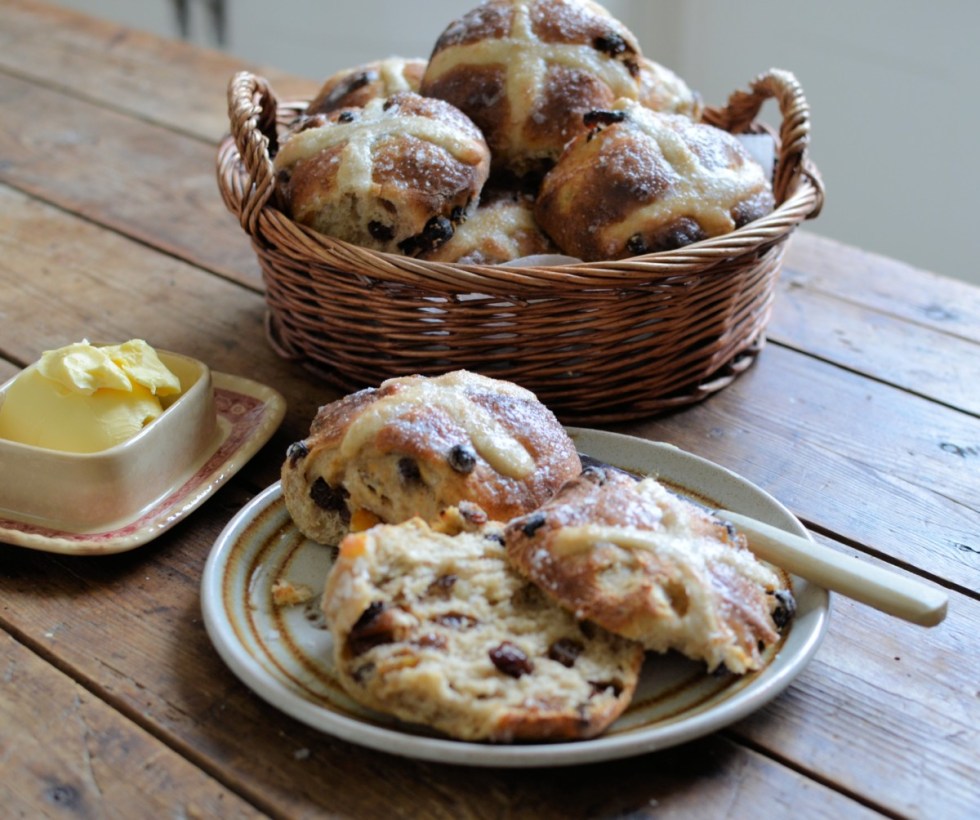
(496, 127)
(487, 586)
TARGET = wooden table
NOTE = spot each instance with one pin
(862, 415)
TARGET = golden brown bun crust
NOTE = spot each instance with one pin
(396, 175)
(501, 229)
(526, 70)
(356, 87)
(416, 446)
(662, 90)
(640, 181)
(690, 583)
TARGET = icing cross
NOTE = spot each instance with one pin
(449, 393)
(527, 59)
(359, 136)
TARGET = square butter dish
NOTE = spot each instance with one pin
(122, 497)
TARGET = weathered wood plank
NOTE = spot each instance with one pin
(886, 711)
(90, 606)
(76, 756)
(886, 285)
(168, 82)
(932, 359)
(134, 177)
(130, 624)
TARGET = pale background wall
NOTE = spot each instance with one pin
(891, 86)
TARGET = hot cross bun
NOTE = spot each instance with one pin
(663, 90)
(355, 87)
(526, 70)
(501, 229)
(438, 630)
(416, 445)
(640, 181)
(649, 565)
(396, 175)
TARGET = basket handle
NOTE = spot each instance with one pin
(793, 161)
(252, 114)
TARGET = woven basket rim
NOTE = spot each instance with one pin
(799, 199)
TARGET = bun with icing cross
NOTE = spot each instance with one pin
(416, 446)
(501, 229)
(649, 565)
(640, 181)
(396, 175)
(526, 70)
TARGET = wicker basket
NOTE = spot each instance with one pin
(597, 342)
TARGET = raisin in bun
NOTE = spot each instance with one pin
(396, 175)
(526, 70)
(355, 87)
(662, 90)
(501, 229)
(417, 445)
(438, 630)
(640, 181)
(649, 565)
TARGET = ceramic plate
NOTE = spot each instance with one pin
(248, 414)
(283, 652)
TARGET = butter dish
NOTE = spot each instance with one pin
(126, 495)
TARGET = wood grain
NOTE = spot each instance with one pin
(133, 177)
(167, 82)
(76, 756)
(932, 361)
(895, 704)
(130, 625)
(179, 683)
(888, 286)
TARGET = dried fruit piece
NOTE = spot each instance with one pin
(511, 660)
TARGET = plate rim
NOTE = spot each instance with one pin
(446, 750)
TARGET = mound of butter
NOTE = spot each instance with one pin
(82, 398)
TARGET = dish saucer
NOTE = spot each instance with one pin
(247, 414)
(284, 652)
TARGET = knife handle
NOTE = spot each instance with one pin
(884, 589)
